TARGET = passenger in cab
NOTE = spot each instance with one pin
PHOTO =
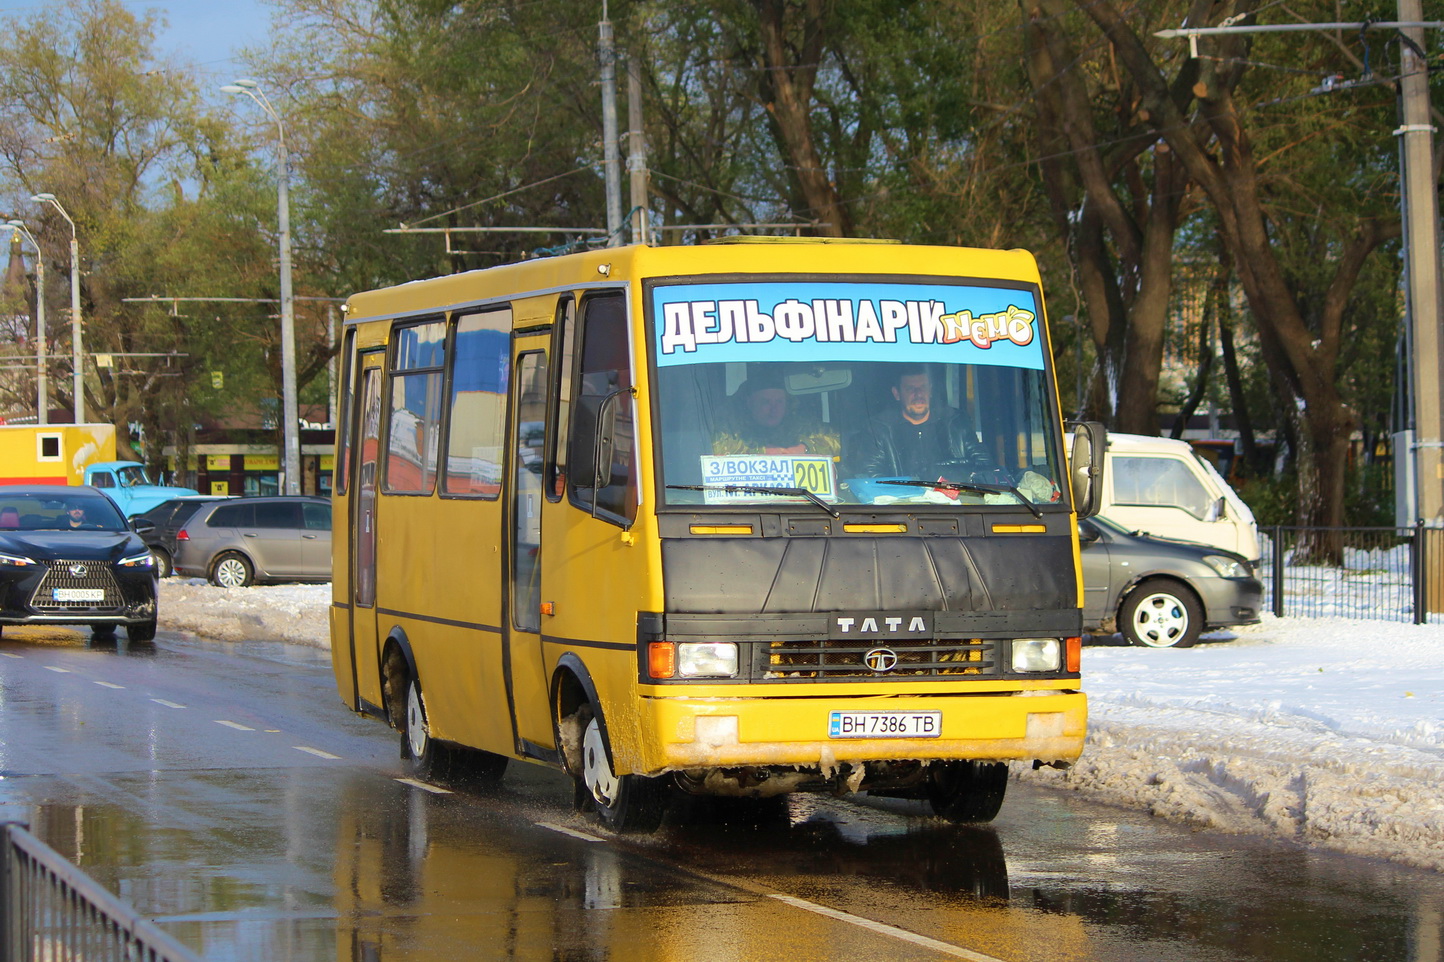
(917, 439)
(762, 422)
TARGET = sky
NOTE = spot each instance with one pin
(1325, 732)
(204, 32)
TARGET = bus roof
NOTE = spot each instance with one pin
(613, 267)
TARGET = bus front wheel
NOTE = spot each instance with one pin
(625, 803)
(428, 758)
(967, 791)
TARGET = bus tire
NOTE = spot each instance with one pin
(429, 758)
(1160, 613)
(967, 791)
(624, 803)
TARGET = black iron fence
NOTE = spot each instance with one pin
(1379, 573)
(51, 911)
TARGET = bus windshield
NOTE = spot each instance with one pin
(868, 392)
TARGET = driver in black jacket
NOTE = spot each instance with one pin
(917, 440)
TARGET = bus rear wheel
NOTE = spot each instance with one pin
(967, 791)
(624, 803)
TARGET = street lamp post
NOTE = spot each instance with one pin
(42, 384)
(290, 415)
(76, 355)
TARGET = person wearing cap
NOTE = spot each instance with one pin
(75, 515)
(763, 423)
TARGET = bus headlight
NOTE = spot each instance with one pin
(706, 659)
(1036, 654)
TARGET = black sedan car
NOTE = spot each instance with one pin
(1160, 593)
(67, 557)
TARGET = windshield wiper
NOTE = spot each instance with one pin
(760, 489)
(970, 486)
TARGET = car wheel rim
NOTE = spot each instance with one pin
(1160, 620)
(231, 573)
(416, 734)
(596, 770)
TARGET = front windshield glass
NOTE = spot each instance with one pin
(132, 476)
(59, 512)
(857, 392)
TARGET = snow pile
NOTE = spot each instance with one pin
(1326, 731)
(1329, 732)
(291, 613)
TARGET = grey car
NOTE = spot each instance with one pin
(169, 517)
(249, 540)
(1160, 593)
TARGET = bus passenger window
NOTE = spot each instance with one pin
(415, 407)
(603, 396)
(564, 343)
(477, 407)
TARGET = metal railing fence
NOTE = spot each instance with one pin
(51, 911)
(1374, 573)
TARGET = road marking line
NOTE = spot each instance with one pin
(8, 655)
(883, 929)
(168, 704)
(106, 684)
(236, 725)
(423, 786)
(572, 832)
(63, 671)
(314, 751)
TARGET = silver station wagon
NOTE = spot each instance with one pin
(249, 540)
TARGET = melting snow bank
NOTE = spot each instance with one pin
(1329, 732)
(291, 613)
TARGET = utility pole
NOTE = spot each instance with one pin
(611, 152)
(1421, 233)
(637, 152)
(42, 332)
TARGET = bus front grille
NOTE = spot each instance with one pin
(917, 658)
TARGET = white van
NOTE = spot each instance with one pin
(1159, 486)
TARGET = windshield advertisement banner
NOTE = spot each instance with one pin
(802, 321)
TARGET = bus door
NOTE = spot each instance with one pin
(525, 671)
(364, 481)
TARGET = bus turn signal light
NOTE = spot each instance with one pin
(661, 659)
(1073, 658)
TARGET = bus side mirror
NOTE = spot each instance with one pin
(1085, 467)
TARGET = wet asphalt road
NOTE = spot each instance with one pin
(224, 791)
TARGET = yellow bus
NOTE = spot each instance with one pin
(744, 518)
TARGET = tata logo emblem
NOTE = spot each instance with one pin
(879, 624)
(78, 570)
(880, 659)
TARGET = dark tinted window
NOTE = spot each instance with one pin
(162, 512)
(318, 516)
(185, 510)
(278, 514)
(232, 516)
